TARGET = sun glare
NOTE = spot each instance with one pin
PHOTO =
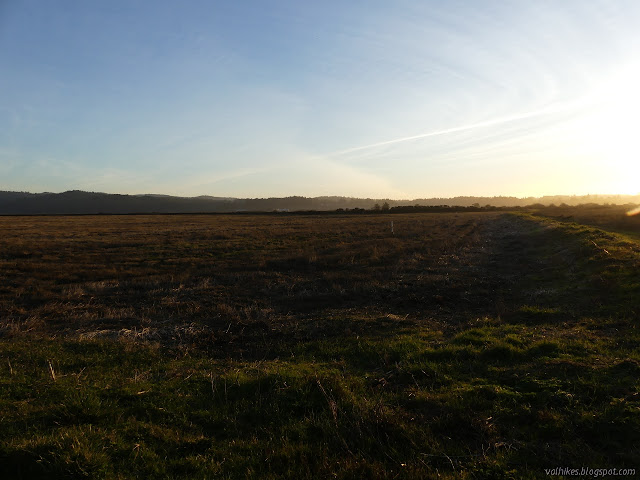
(609, 131)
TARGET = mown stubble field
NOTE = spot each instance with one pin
(463, 345)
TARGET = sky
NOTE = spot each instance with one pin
(271, 98)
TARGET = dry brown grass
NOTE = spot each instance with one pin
(288, 346)
(167, 277)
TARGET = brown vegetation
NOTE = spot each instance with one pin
(173, 278)
(460, 345)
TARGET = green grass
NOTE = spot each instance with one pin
(516, 354)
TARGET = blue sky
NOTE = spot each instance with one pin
(402, 99)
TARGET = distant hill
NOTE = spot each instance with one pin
(79, 202)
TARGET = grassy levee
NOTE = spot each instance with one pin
(463, 346)
(609, 217)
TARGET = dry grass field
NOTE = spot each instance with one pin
(462, 345)
(168, 277)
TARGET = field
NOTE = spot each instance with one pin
(462, 345)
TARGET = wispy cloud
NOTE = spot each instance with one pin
(462, 128)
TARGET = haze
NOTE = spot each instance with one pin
(402, 99)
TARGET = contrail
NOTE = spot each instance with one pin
(463, 128)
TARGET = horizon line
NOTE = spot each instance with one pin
(329, 196)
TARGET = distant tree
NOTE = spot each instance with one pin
(376, 207)
(385, 207)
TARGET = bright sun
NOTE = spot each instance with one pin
(611, 134)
